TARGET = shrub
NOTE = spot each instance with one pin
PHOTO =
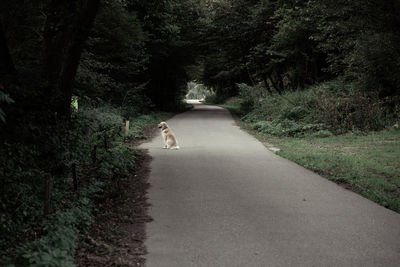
(352, 111)
(138, 124)
(219, 96)
(247, 98)
(93, 144)
(250, 96)
(337, 105)
(214, 99)
(57, 247)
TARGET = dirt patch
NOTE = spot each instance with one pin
(117, 236)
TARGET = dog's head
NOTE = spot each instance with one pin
(163, 125)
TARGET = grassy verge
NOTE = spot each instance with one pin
(139, 125)
(365, 163)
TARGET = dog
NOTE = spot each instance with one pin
(168, 136)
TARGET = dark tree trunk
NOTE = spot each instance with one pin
(266, 84)
(274, 84)
(6, 62)
(66, 29)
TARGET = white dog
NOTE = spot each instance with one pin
(168, 136)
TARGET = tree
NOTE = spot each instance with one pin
(169, 27)
(66, 29)
(360, 39)
(227, 41)
(6, 62)
(115, 60)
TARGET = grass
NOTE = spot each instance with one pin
(138, 125)
(365, 163)
(233, 105)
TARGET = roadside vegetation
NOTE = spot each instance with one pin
(320, 79)
(72, 73)
(198, 91)
(96, 160)
(362, 161)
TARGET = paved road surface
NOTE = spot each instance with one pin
(225, 200)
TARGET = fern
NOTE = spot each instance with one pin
(7, 99)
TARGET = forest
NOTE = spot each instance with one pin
(72, 72)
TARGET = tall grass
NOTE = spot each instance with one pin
(332, 107)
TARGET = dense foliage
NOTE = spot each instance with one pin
(265, 50)
(289, 45)
(318, 110)
(113, 60)
(299, 66)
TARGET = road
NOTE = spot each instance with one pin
(223, 199)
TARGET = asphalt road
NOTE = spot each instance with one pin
(223, 199)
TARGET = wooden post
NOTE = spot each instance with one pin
(105, 143)
(126, 128)
(94, 156)
(74, 178)
(47, 194)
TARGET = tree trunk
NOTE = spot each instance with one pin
(6, 63)
(266, 84)
(276, 87)
(66, 29)
(47, 194)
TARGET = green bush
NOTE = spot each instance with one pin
(57, 247)
(297, 105)
(138, 124)
(336, 106)
(214, 99)
(94, 146)
(352, 111)
(250, 96)
(135, 104)
(247, 98)
(218, 96)
(21, 191)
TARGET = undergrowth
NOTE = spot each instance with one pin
(334, 129)
(93, 162)
(323, 110)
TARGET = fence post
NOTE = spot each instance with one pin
(74, 177)
(126, 128)
(94, 156)
(47, 194)
(106, 143)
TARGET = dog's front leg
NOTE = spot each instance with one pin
(165, 141)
